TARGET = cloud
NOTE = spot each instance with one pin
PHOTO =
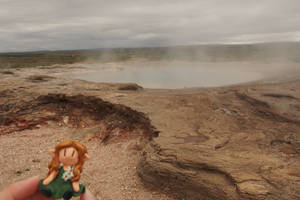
(60, 24)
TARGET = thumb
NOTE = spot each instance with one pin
(87, 196)
(20, 190)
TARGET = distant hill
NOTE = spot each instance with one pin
(282, 51)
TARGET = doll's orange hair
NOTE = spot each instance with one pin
(54, 165)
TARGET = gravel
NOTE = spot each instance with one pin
(110, 174)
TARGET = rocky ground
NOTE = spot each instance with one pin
(237, 142)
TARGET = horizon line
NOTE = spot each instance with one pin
(148, 47)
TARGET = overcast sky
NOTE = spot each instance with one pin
(27, 25)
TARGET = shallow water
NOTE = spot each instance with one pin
(171, 76)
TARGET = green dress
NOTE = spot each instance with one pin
(61, 184)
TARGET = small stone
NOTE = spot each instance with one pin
(288, 150)
(18, 172)
(66, 119)
(252, 188)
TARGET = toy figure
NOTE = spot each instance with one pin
(62, 180)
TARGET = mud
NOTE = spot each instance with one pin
(39, 78)
(131, 86)
(77, 111)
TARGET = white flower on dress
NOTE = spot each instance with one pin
(65, 177)
(68, 174)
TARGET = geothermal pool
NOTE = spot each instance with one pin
(176, 75)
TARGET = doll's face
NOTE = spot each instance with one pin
(68, 156)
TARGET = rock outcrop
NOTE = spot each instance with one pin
(241, 144)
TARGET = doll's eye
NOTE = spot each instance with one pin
(65, 152)
(73, 153)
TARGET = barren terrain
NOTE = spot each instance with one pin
(235, 142)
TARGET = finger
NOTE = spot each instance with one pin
(87, 196)
(39, 196)
(23, 189)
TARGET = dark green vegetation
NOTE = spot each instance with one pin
(207, 53)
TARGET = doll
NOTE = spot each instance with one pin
(62, 180)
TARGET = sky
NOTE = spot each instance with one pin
(31, 25)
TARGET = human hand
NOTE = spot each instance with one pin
(28, 190)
